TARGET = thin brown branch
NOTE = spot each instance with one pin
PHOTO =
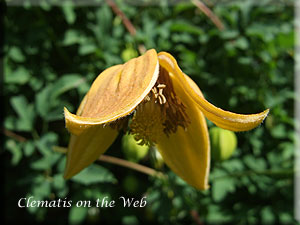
(208, 2)
(200, 5)
(131, 165)
(196, 217)
(59, 149)
(129, 26)
(127, 23)
(119, 162)
(13, 135)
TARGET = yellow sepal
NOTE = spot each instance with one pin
(87, 147)
(116, 92)
(224, 119)
(187, 151)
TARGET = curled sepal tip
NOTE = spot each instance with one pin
(224, 119)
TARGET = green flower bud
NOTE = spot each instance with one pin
(132, 150)
(223, 143)
(128, 53)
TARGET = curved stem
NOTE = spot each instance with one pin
(199, 4)
(120, 162)
(127, 23)
(13, 135)
(131, 165)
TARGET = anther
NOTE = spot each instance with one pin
(154, 90)
(161, 86)
(162, 99)
(160, 91)
(159, 95)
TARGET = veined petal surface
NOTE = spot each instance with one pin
(86, 147)
(116, 92)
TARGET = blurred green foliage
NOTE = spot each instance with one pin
(52, 55)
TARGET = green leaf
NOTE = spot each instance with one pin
(69, 12)
(15, 150)
(19, 103)
(183, 6)
(28, 148)
(87, 49)
(61, 164)
(45, 5)
(130, 220)
(216, 216)
(72, 37)
(45, 143)
(267, 215)
(25, 113)
(47, 102)
(19, 76)
(229, 34)
(279, 131)
(9, 122)
(77, 215)
(104, 19)
(16, 54)
(233, 165)
(222, 186)
(41, 189)
(45, 162)
(58, 181)
(64, 84)
(286, 40)
(182, 26)
(94, 174)
(42, 101)
(241, 43)
(35, 83)
(255, 163)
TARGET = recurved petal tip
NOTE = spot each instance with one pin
(231, 121)
(75, 124)
(224, 119)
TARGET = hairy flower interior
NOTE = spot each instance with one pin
(146, 123)
(160, 112)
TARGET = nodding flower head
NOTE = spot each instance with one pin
(152, 99)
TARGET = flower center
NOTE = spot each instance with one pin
(160, 113)
(146, 123)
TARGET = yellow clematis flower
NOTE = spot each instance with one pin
(152, 98)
